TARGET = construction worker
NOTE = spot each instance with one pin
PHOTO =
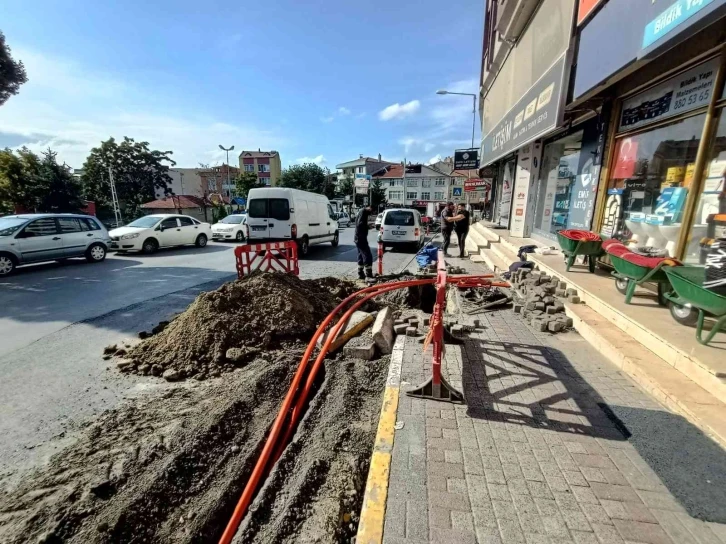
(447, 226)
(365, 257)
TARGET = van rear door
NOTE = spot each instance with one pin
(399, 226)
(257, 218)
(279, 218)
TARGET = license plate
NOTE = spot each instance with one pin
(398, 232)
(256, 229)
(216, 235)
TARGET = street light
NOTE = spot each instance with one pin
(229, 189)
(473, 123)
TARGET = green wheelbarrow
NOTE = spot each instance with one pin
(592, 249)
(629, 275)
(690, 302)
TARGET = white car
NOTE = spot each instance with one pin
(343, 219)
(402, 228)
(149, 233)
(379, 220)
(231, 227)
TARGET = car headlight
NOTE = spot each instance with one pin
(130, 236)
(230, 229)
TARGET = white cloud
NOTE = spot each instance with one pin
(399, 111)
(342, 110)
(327, 119)
(71, 109)
(435, 159)
(319, 160)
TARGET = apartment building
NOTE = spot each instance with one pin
(184, 181)
(414, 188)
(266, 164)
(215, 180)
(361, 165)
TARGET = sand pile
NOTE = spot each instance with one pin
(240, 321)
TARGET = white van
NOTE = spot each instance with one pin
(401, 228)
(277, 214)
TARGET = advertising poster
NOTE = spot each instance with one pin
(505, 203)
(522, 196)
(626, 156)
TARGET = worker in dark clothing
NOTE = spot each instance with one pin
(447, 226)
(461, 226)
(365, 257)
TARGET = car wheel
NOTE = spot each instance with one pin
(7, 264)
(336, 240)
(240, 236)
(150, 246)
(96, 253)
(303, 246)
(201, 240)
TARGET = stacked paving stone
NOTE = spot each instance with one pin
(408, 325)
(537, 298)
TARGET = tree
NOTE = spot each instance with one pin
(244, 182)
(62, 193)
(12, 72)
(307, 177)
(378, 195)
(346, 185)
(137, 173)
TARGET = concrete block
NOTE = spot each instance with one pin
(426, 321)
(400, 329)
(555, 326)
(549, 301)
(568, 322)
(540, 326)
(357, 323)
(559, 307)
(539, 306)
(574, 300)
(562, 285)
(517, 308)
(457, 329)
(413, 323)
(400, 322)
(531, 305)
(364, 351)
(383, 331)
(571, 291)
(411, 331)
(551, 310)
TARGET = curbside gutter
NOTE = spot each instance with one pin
(370, 527)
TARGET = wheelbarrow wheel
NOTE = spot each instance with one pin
(621, 284)
(685, 315)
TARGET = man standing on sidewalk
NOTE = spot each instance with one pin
(461, 226)
(447, 226)
(365, 257)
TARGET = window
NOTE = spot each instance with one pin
(68, 225)
(211, 184)
(411, 195)
(440, 182)
(426, 195)
(90, 224)
(395, 195)
(411, 183)
(399, 183)
(263, 167)
(249, 167)
(279, 209)
(398, 218)
(169, 223)
(258, 208)
(361, 169)
(426, 183)
(41, 227)
(439, 195)
(186, 221)
(392, 183)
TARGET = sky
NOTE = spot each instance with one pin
(319, 80)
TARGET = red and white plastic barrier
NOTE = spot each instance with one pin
(271, 257)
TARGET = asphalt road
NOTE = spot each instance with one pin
(55, 320)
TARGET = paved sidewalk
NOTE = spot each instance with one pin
(554, 445)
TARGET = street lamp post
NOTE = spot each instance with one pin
(229, 189)
(473, 121)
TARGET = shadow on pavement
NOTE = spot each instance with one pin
(538, 387)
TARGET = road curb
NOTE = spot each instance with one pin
(370, 527)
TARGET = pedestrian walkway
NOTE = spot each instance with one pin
(554, 445)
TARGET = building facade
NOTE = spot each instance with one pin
(218, 180)
(418, 186)
(184, 181)
(265, 164)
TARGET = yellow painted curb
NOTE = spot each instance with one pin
(372, 516)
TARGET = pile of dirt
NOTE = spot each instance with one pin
(232, 325)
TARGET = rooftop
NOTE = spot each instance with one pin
(258, 153)
(175, 202)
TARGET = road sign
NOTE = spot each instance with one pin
(361, 190)
(456, 191)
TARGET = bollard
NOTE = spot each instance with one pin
(380, 258)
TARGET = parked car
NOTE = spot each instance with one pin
(34, 238)
(231, 227)
(379, 220)
(402, 228)
(344, 219)
(278, 214)
(151, 232)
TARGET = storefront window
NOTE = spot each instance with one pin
(560, 160)
(649, 182)
(712, 200)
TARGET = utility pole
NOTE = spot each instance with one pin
(229, 186)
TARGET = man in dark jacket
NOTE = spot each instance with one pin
(365, 257)
(447, 226)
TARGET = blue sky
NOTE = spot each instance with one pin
(317, 80)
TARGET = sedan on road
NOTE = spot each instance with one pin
(148, 234)
(42, 237)
(231, 227)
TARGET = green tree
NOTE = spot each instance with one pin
(62, 193)
(345, 185)
(12, 72)
(307, 177)
(244, 182)
(138, 172)
(378, 194)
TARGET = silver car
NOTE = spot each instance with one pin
(41, 237)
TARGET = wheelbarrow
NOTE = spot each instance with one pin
(690, 302)
(572, 248)
(629, 275)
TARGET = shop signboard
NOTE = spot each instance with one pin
(685, 92)
(466, 159)
(536, 113)
(475, 184)
(674, 16)
(585, 8)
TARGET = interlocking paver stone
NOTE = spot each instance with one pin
(535, 456)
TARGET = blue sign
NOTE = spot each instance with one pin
(671, 18)
(456, 191)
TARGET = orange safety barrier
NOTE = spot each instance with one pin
(380, 258)
(273, 256)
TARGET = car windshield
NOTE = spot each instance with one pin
(145, 222)
(233, 219)
(10, 225)
(399, 219)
